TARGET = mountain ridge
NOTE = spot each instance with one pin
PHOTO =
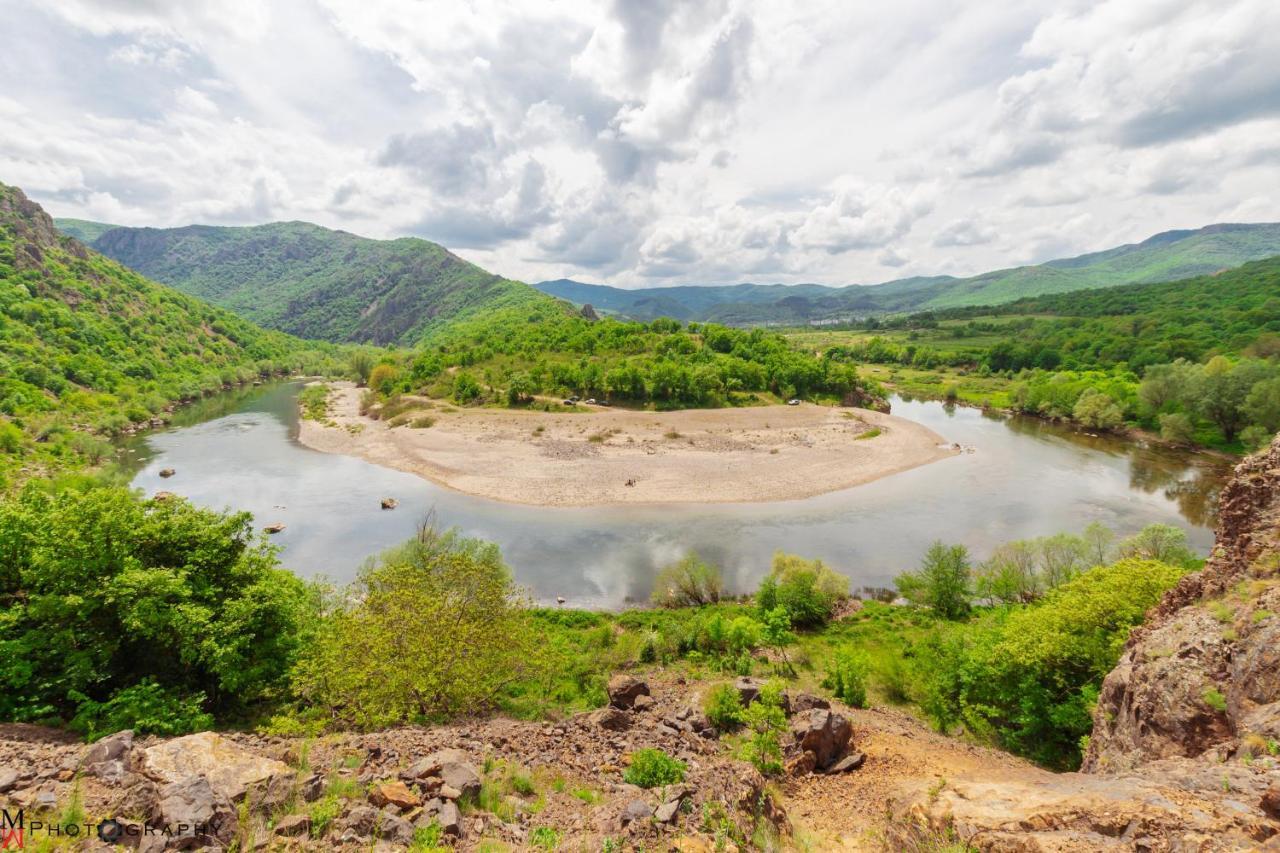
(1166, 256)
(316, 282)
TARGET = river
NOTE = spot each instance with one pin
(1023, 478)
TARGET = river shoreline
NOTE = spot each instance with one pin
(634, 458)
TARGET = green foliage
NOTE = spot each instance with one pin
(443, 621)
(1028, 678)
(807, 591)
(544, 838)
(690, 582)
(943, 581)
(847, 677)
(1213, 697)
(147, 708)
(112, 606)
(723, 707)
(653, 768)
(1161, 542)
(313, 401)
(767, 723)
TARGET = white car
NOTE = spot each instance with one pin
(793, 402)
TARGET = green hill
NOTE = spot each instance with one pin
(314, 282)
(88, 347)
(84, 230)
(1165, 257)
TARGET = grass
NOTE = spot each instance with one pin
(868, 434)
(422, 422)
(1214, 699)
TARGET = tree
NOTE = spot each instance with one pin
(465, 388)
(383, 378)
(1262, 406)
(1009, 575)
(442, 624)
(102, 592)
(1221, 393)
(944, 580)
(519, 390)
(361, 365)
(1176, 428)
(1097, 410)
(807, 590)
(1162, 542)
(690, 582)
(1166, 385)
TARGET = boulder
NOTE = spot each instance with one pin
(450, 820)
(454, 769)
(636, 810)
(623, 690)
(852, 761)
(360, 820)
(192, 807)
(667, 812)
(393, 794)
(395, 830)
(822, 732)
(111, 748)
(642, 702)
(802, 702)
(1270, 802)
(802, 765)
(229, 769)
(294, 824)
(611, 719)
(8, 779)
(312, 788)
(748, 689)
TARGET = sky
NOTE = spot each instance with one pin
(652, 142)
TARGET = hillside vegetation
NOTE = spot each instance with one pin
(314, 282)
(1164, 257)
(88, 347)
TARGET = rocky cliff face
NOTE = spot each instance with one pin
(1201, 678)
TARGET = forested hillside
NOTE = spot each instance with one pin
(1164, 257)
(314, 282)
(88, 347)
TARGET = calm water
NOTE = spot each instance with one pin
(1025, 478)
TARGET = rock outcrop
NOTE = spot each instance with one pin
(1201, 677)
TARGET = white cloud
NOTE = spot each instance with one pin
(657, 142)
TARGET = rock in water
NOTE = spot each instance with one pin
(390, 503)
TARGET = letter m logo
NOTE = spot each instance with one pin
(10, 830)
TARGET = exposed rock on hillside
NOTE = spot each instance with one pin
(1203, 673)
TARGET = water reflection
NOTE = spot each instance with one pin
(1023, 478)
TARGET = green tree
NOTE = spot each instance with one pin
(1177, 428)
(102, 592)
(690, 582)
(433, 629)
(1262, 406)
(808, 590)
(1096, 410)
(944, 580)
(1162, 542)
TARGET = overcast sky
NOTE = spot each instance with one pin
(647, 142)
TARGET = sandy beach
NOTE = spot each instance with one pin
(618, 456)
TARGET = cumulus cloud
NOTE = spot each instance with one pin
(657, 142)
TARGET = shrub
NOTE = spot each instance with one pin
(1161, 542)
(103, 592)
(847, 677)
(147, 708)
(442, 619)
(1096, 410)
(942, 581)
(767, 722)
(652, 768)
(807, 590)
(723, 707)
(1176, 428)
(383, 378)
(689, 582)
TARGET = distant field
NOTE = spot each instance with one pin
(973, 333)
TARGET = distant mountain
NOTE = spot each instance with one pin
(314, 282)
(87, 345)
(1167, 256)
(84, 230)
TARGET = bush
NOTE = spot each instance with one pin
(847, 677)
(1176, 428)
(441, 619)
(147, 708)
(652, 768)
(807, 590)
(691, 582)
(1161, 542)
(723, 707)
(103, 592)
(767, 722)
(1028, 679)
(942, 581)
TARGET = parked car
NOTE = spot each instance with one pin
(793, 402)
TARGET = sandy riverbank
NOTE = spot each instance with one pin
(617, 456)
